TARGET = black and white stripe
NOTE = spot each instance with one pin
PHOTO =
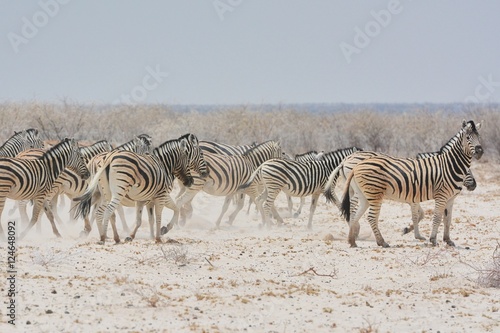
(295, 179)
(409, 180)
(32, 179)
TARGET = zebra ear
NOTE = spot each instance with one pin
(184, 145)
(464, 123)
(478, 125)
(193, 139)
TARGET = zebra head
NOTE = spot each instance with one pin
(470, 181)
(75, 160)
(145, 143)
(195, 155)
(472, 138)
(33, 139)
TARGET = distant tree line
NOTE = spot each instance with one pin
(405, 132)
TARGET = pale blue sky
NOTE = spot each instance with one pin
(250, 51)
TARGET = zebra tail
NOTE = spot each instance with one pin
(251, 179)
(345, 207)
(331, 184)
(82, 209)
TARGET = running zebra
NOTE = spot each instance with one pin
(145, 179)
(68, 182)
(228, 172)
(141, 144)
(295, 179)
(20, 141)
(302, 158)
(417, 213)
(409, 180)
(211, 147)
(26, 179)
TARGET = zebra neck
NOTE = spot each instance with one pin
(56, 160)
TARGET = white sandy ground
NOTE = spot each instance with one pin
(246, 279)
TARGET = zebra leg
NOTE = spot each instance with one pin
(439, 207)
(106, 217)
(138, 221)
(239, 206)
(302, 201)
(361, 207)
(121, 214)
(447, 222)
(373, 215)
(53, 208)
(2, 205)
(417, 214)
(184, 204)
(50, 215)
(225, 206)
(290, 204)
(314, 203)
(169, 203)
(269, 207)
(21, 205)
(37, 207)
(355, 223)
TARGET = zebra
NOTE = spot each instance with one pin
(409, 180)
(20, 141)
(228, 172)
(302, 158)
(416, 211)
(145, 179)
(210, 147)
(24, 179)
(68, 182)
(141, 144)
(295, 179)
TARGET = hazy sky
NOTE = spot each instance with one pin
(250, 51)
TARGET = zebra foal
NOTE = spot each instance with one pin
(409, 180)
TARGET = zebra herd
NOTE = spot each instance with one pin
(101, 180)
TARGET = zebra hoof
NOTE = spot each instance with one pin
(84, 234)
(450, 242)
(433, 241)
(296, 215)
(100, 242)
(128, 239)
(406, 230)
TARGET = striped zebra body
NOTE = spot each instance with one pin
(417, 212)
(295, 179)
(302, 158)
(141, 144)
(409, 180)
(68, 182)
(210, 147)
(32, 179)
(228, 172)
(20, 141)
(145, 179)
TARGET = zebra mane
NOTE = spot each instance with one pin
(339, 151)
(169, 144)
(314, 152)
(450, 143)
(58, 146)
(252, 149)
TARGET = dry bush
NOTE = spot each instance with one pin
(401, 130)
